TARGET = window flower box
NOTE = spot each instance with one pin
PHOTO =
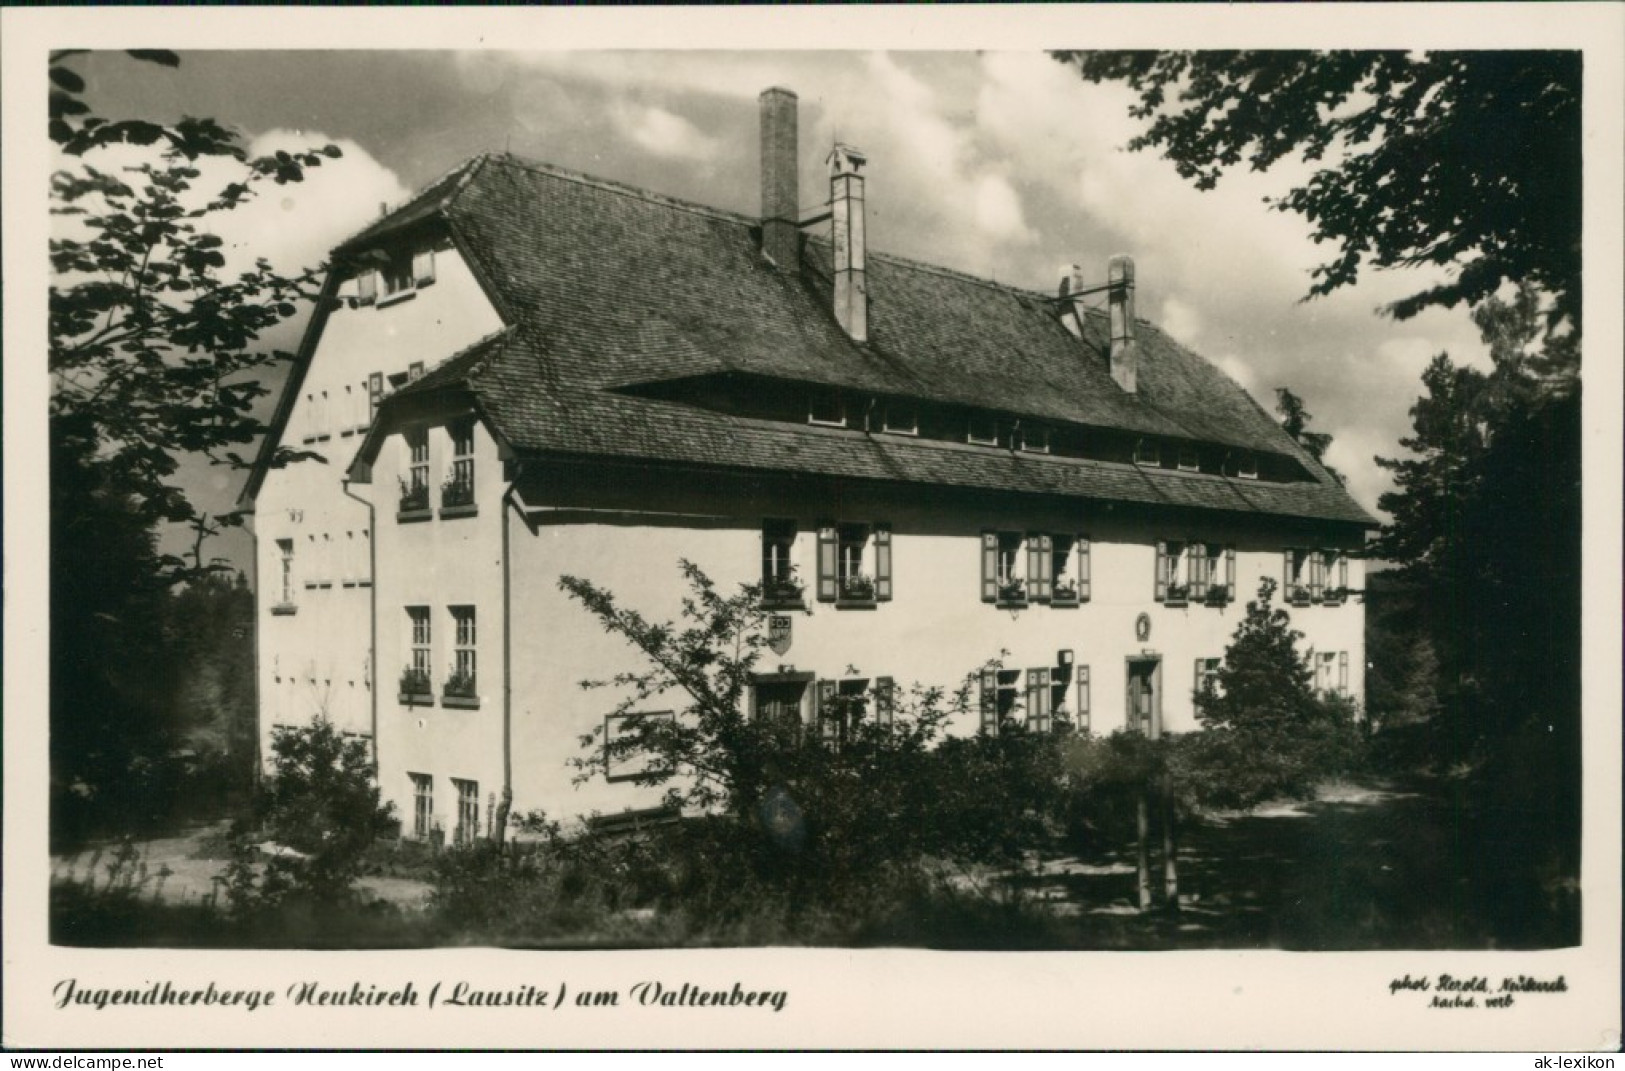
(857, 588)
(782, 593)
(1178, 594)
(415, 686)
(1218, 594)
(1334, 596)
(1065, 593)
(456, 492)
(460, 690)
(1298, 595)
(1013, 593)
(414, 501)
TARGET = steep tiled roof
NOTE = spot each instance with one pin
(607, 286)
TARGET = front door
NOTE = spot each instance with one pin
(1144, 699)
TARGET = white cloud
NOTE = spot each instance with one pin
(661, 132)
(1181, 320)
(998, 210)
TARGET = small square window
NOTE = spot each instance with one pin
(1242, 464)
(902, 418)
(982, 430)
(826, 407)
(1189, 459)
(1147, 452)
(1035, 439)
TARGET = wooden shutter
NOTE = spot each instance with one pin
(883, 562)
(1343, 571)
(825, 694)
(827, 548)
(1199, 569)
(1083, 696)
(375, 394)
(885, 701)
(1083, 569)
(1342, 673)
(423, 267)
(1286, 575)
(1038, 700)
(1230, 571)
(366, 288)
(990, 567)
(1040, 567)
(990, 700)
(1317, 573)
(1159, 586)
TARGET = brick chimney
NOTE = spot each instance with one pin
(846, 234)
(781, 200)
(1125, 353)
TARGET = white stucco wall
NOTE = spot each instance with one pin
(934, 631)
(317, 658)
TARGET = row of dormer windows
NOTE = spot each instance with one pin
(832, 408)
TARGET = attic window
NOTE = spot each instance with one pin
(983, 430)
(1147, 452)
(826, 408)
(1189, 459)
(1035, 439)
(902, 418)
(1242, 463)
(403, 274)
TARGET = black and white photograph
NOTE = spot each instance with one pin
(625, 524)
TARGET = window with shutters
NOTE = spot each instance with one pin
(1000, 699)
(422, 805)
(1040, 700)
(1068, 570)
(780, 589)
(403, 274)
(842, 706)
(1207, 676)
(1004, 568)
(1212, 573)
(1303, 576)
(776, 702)
(457, 492)
(1325, 670)
(1334, 570)
(468, 811)
(1171, 580)
(1082, 714)
(854, 564)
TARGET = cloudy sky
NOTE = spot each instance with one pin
(1001, 164)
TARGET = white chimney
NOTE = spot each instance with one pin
(1125, 353)
(1071, 312)
(846, 214)
(781, 201)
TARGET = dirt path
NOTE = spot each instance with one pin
(187, 866)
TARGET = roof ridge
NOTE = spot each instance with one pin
(622, 188)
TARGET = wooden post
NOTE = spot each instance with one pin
(1170, 851)
(1143, 869)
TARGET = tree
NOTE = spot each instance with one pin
(320, 800)
(1468, 161)
(154, 354)
(1295, 419)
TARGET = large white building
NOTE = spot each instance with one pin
(525, 373)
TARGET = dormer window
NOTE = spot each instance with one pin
(1189, 459)
(1147, 451)
(403, 274)
(982, 430)
(1035, 439)
(827, 408)
(1241, 463)
(902, 418)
